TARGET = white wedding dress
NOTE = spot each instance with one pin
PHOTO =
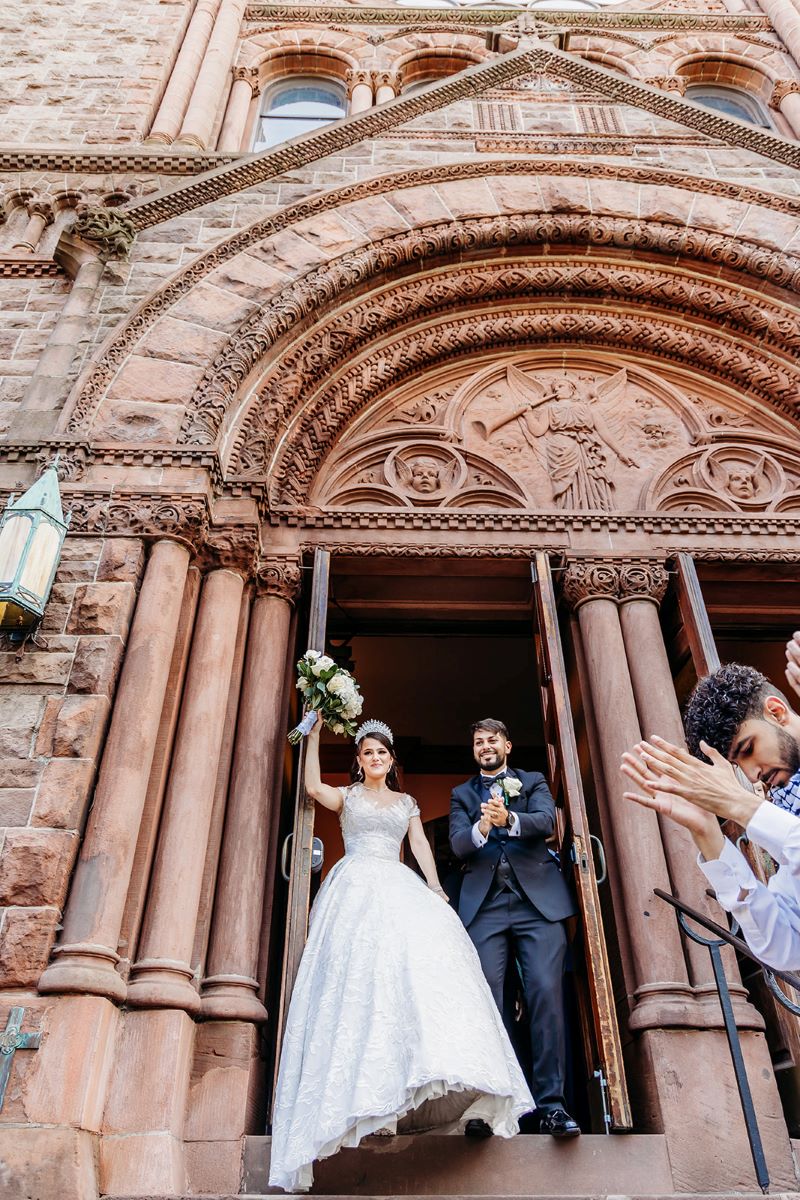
(391, 1017)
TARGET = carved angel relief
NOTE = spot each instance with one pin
(577, 437)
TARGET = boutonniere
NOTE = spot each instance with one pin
(511, 788)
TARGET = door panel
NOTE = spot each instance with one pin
(603, 1041)
(303, 830)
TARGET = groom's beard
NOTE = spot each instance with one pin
(490, 762)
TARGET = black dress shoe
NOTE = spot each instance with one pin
(559, 1124)
(476, 1128)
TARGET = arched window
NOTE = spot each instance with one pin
(729, 100)
(296, 106)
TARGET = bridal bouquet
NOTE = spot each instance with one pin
(328, 691)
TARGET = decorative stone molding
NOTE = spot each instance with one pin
(781, 89)
(99, 162)
(71, 465)
(41, 207)
(385, 79)
(541, 59)
(27, 266)
(281, 576)
(231, 547)
(184, 518)
(288, 14)
(622, 580)
(757, 260)
(108, 229)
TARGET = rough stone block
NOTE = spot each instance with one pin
(96, 665)
(26, 938)
(20, 717)
(142, 1164)
(35, 866)
(122, 561)
(47, 1164)
(64, 793)
(102, 608)
(19, 773)
(15, 806)
(73, 727)
(35, 666)
(214, 1167)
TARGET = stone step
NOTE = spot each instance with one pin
(446, 1165)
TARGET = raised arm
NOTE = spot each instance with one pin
(420, 848)
(323, 793)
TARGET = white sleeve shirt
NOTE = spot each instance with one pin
(513, 830)
(769, 915)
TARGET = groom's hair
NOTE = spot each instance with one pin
(721, 703)
(491, 726)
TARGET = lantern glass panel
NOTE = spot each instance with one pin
(13, 539)
(41, 559)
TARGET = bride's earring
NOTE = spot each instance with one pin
(360, 775)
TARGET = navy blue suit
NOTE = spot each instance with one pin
(525, 919)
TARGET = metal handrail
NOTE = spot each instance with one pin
(722, 937)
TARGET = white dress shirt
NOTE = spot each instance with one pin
(769, 914)
(513, 825)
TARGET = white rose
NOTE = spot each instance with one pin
(337, 727)
(323, 663)
(353, 709)
(312, 654)
(512, 787)
(336, 686)
(305, 685)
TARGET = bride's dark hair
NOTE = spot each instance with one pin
(392, 778)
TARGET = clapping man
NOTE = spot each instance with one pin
(736, 716)
(515, 902)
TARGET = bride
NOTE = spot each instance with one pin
(391, 1023)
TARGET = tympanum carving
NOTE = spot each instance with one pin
(733, 476)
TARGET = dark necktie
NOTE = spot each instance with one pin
(487, 781)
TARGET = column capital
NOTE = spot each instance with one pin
(356, 77)
(619, 580)
(41, 207)
(231, 548)
(386, 78)
(643, 579)
(279, 575)
(247, 75)
(669, 83)
(590, 579)
(781, 89)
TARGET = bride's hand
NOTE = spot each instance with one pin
(440, 892)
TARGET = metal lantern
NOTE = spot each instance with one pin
(32, 531)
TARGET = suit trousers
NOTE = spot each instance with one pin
(508, 927)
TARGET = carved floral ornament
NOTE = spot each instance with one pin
(541, 432)
(621, 581)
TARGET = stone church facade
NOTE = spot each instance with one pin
(418, 322)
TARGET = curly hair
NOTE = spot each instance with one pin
(721, 703)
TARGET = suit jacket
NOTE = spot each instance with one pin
(535, 867)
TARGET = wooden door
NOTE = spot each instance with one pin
(601, 1032)
(299, 848)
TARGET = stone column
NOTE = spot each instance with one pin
(593, 588)
(86, 958)
(212, 77)
(642, 588)
(245, 87)
(386, 84)
(359, 91)
(162, 976)
(40, 215)
(786, 99)
(786, 22)
(230, 990)
(173, 105)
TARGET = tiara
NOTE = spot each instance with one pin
(373, 727)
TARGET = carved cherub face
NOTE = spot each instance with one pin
(426, 475)
(741, 482)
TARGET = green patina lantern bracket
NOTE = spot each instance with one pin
(32, 532)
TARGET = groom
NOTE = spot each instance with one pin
(514, 902)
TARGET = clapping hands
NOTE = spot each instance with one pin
(793, 663)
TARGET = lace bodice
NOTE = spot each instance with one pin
(374, 830)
